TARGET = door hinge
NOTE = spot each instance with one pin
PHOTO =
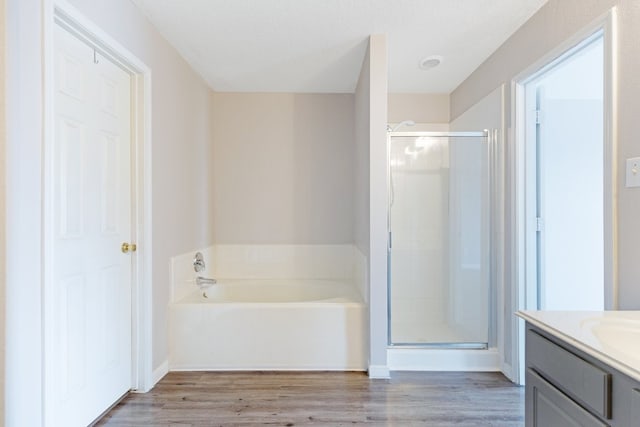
(539, 224)
(389, 240)
(538, 117)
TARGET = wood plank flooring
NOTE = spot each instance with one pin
(184, 399)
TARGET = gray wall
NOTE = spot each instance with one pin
(282, 168)
(419, 107)
(378, 205)
(361, 160)
(557, 21)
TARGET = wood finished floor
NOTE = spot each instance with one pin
(183, 399)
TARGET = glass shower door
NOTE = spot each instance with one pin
(439, 223)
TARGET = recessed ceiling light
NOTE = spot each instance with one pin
(430, 62)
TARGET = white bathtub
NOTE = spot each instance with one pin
(269, 325)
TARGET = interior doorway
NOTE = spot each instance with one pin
(564, 181)
(92, 217)
(562, 163)
(96, 190)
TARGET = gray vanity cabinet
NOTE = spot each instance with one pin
(550, 407)
(567, 387)
(635, 405)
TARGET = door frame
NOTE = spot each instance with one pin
(607, 23)
(59, 12)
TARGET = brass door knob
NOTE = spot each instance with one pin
(128, 247)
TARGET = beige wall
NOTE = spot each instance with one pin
(282, 166)
(557, 21)
(419, 107)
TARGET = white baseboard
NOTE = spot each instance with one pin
(424, 359)
(507, 370)
(265, 368)
(379, 372)
(160, 372)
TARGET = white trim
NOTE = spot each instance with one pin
(608, 24)
(61, 11)
(610, 158)
(47, 206)
(517, 256)
(460, 360)
(260, 368)
(507, 370)
(497, 220)
(500, 243)
(158, 374)
(379, 372)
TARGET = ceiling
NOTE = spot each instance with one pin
(317, 46)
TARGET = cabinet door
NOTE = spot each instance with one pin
(635, 405)
(547, 406)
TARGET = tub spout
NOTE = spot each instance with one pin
(205, 282)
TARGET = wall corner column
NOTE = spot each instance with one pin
(378, 319)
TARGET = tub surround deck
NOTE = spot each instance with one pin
(612, 337)
(252, 291)
(266, 262)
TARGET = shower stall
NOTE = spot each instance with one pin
(439, 251)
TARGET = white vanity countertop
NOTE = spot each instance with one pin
(610, 336)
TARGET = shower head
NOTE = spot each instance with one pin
(399, 125)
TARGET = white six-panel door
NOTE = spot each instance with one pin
(92, 218)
